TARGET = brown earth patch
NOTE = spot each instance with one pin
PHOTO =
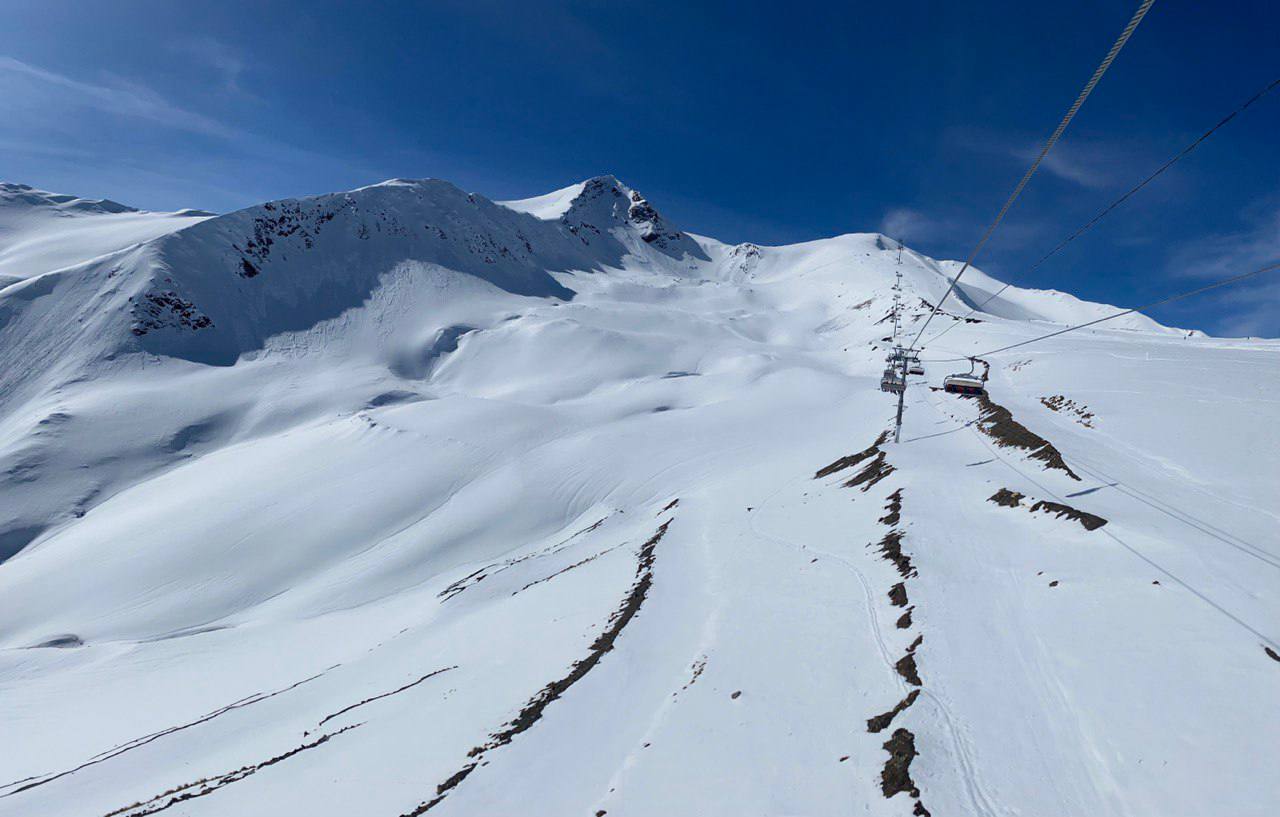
(881, 722)
(891, 549)
(893, 509)
(906, 665)
(1012, 499)
(852, 459)
(898, 595)
(896, 776)
(997, 422)
(1088, 520)
(871, 473)
(1007, 498)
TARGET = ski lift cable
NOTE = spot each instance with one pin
(1057, 134)
(1121, 200)
(1135, 551)
(1275, 265)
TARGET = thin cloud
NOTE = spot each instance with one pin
(1077, 166)
(31, 84)
(957, 232)
(1251, 312)
(906, 224)
(1221, 255)
(214, 54)
(1251, 308)
(1090, 164)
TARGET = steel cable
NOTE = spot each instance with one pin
(1057, 134)
(1113, 205)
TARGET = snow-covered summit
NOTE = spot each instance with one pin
(22, 195)
(604, 203)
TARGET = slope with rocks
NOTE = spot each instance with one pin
(405, 501)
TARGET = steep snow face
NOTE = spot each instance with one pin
(42, 231)
(1043, 304)
(603, 204)
(288, 265)
(549, 206)
(607, 512)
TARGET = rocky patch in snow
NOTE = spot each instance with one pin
(1013, 499)
(881, 722)
(167, 310)
(896, 776)
(1066, 405)
(852, 459)
(997, 422)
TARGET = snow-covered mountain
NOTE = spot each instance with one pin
(42, 231)
(404, 500)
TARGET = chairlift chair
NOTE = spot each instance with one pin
(966, 383)
(891, 381)
(963, 384)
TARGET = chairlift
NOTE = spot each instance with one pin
(967, 383)
(914, 366)
(892, 381)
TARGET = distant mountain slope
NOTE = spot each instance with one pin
(42, 231)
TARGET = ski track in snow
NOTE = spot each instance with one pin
(966, 769)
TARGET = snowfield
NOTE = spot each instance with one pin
(402, 500)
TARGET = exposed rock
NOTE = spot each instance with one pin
(997, 422)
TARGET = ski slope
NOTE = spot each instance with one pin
(403, 501)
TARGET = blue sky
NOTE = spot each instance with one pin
(738, 120)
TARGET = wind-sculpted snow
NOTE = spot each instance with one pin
(41, 231)
(367, 503)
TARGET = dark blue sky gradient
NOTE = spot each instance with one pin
(744, 121)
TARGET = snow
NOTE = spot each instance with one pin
(405, 479)
(549, 206)
(42, 231)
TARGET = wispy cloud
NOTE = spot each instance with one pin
(31, 86)
(225, 61)
(57, 122)
(955, 232)
(1089, 163)
(1251, 311)
(1253, 306)
(906, 224)
(1087, 167)
(1220, 255)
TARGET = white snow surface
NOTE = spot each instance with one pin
(401, 501)
(42, 231)
(549, 206)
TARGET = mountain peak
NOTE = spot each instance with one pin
(603, 203)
